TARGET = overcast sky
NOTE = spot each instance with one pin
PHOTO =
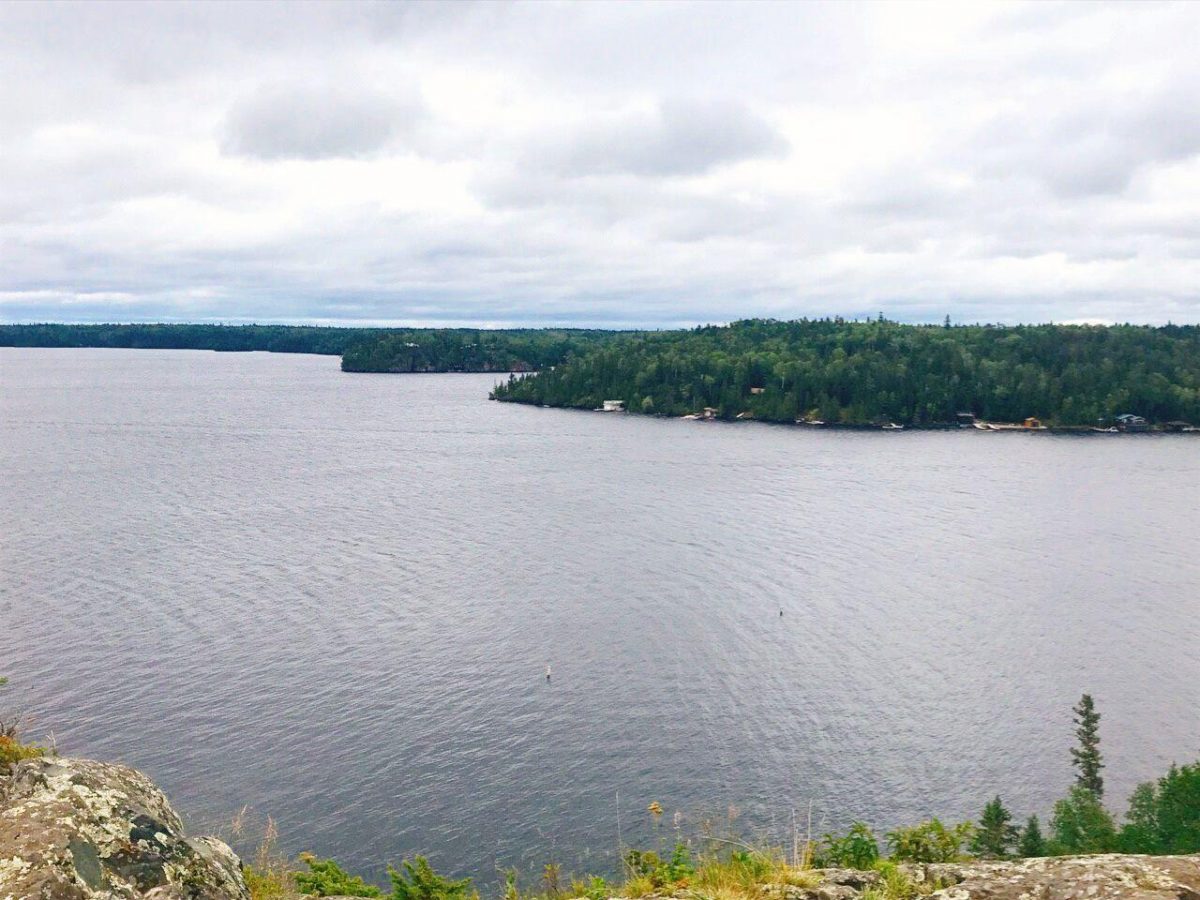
(599, 164)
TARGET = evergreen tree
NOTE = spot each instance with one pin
(1140, 833)
(1164, 816)
(418, 881)
(1031, 842)
(1081, 824)
(1086, 757)
(1178, 803)
(996, 833)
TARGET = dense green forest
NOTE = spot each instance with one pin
(362, 349)
(471, 350)
(276, 338)
(863, 372)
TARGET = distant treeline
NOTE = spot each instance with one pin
(276, 338)
(362, 349)
(471, 350)
(862, 372)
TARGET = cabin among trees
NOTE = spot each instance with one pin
(1131, 422)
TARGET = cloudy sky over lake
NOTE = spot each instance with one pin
(599, 164)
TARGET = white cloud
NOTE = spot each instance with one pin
(652, 163)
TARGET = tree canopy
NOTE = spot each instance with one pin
(862, 372)
(470, 350)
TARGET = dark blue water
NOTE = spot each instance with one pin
(333, 597)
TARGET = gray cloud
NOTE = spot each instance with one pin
(285, 121)
(677, 137)
(657, 163)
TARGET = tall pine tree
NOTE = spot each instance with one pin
(1086, 757)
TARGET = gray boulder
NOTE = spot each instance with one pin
(74, 829)
(1100, 877)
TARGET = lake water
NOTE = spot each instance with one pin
(333, 597)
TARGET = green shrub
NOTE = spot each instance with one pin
(1081, 824)
(325, 878)
(680, 866)
(648, 864)
(417, 880)
(1164, 816)
(894, 884)
(593, 887)
(511, 891)
(551, 886)
(642, 862)
(857, 849)
(930, 842)
(12, 750)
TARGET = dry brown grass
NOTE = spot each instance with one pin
(744, 874)
(270, 876)
(737, 875)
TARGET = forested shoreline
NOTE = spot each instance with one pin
(829, 370)
(849, 373)
(361, 349)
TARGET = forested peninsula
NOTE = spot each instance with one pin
(361, 349)
(857, 373)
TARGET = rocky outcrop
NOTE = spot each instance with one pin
(1091, 877)
(1103, 877)
(73, 829)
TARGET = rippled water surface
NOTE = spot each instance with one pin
(333, 597)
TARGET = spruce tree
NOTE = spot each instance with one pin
(1031, 843)
(1081, 824)
(995, 833)
(1086, 757)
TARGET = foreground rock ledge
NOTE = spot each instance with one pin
(73, 829)
(1098, 877)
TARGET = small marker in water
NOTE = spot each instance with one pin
(547, 673)
(781, 611)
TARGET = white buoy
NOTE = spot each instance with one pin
(547, 673)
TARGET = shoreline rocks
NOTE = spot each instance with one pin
(74, 829)
(1099, 877)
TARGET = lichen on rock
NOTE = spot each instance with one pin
(1101, 877)
(74, 829)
